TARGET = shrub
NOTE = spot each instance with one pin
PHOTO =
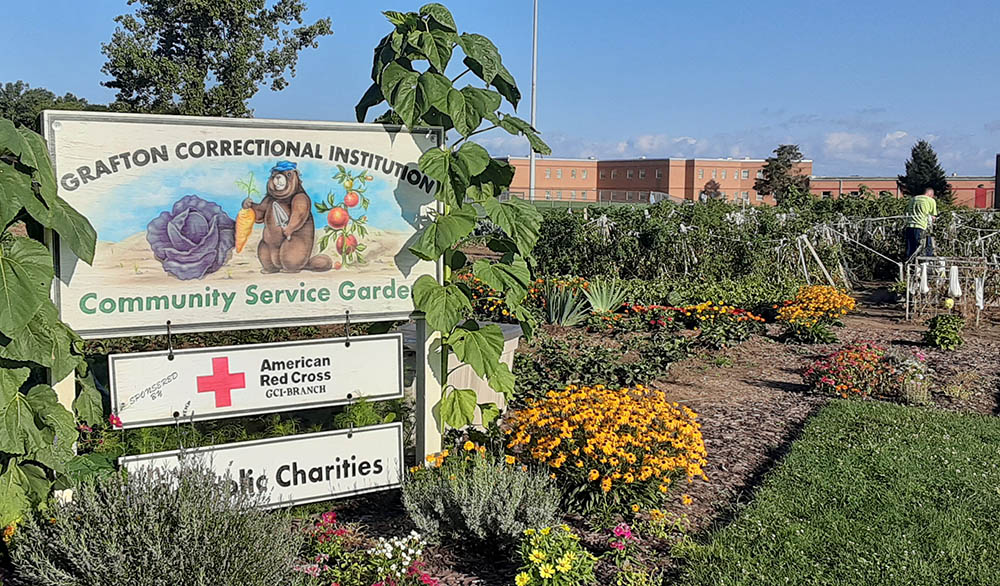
(721, 324)
(807, 318)
(553, 556)
(564, 306)
(865, 369)
(155, 527)
(609, 448)
(945, 332)
(605, 296)
(340, 553)
(470, 498)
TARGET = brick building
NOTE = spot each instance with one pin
(639, 180)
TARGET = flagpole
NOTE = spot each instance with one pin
(534, 80)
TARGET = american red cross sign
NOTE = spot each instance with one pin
(221, 382)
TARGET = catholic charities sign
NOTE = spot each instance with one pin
(216, 223)
(150, 388)
(301, 468)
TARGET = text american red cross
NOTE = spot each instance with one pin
(221, 382)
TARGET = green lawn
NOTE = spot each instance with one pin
(872, 494)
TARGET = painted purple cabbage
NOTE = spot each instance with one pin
(192, 240)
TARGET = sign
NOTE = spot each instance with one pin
(301, 469)
(149, 388)
(222, 223)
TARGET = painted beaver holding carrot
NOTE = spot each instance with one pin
(289, 231)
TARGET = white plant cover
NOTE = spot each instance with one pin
(954, 288)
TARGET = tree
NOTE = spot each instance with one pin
(410, 73)
(21, 104)
(205, 57)
(712, 189)
(781, 177)
(923, 171)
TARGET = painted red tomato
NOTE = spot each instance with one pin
(338, 218)
(346, 245)
(351, 199)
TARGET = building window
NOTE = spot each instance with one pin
(628, 174)
(572, 173)
(603, 174)
(828, 194)
(723, 173)
(701, 173)
(572, 195)
(746, 196)
(715, 173)
(659, 173)
(746, 174)
(558, 173)
(548, 195)
(548, 173)
(583, 173)
(613, 173)
(760, 174)
(760, 197)
(583, 194)
(642, 173)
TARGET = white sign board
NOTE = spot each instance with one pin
(222, 223)
(150, 388)
(301, 469)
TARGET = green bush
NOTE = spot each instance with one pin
(554, 556)
(945, 332)
(564, 306)
(469, 498)
(605, 296)
(155, 527)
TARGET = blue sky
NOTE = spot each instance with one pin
(854, 83)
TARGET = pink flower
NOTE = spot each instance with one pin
(623, 531)
(114, 420)
(328, 518)
(619, 545)
(85, 427)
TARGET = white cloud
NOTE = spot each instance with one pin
(895, 139)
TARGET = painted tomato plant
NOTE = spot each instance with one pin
(343, 229)
(37, 433)
(410, 71)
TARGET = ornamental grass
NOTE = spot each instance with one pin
(609, 447)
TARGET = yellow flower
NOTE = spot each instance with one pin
(522, 579)
(686, 499)
(545, 530)
(594, 475)
(529, 531)
(546, 571)
(468, 446)
(635, 508)
(536, 557)
(509, 459)
(564, 565)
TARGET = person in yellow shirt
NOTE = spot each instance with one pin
(920, 213)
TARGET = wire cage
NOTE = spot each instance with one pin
(971, 283)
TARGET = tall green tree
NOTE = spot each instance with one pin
(205, 57)
(782, 178)
(410, 71)
(923, 171)
(21, 103)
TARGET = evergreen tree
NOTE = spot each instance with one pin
(923, 171)
(781, 177)
(205, 57)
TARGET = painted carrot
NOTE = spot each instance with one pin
(244, 226)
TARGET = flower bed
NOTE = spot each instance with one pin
(808, 317)
(865, 369)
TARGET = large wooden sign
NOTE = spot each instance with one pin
(220, 223)
(301, 469)
(156, 388)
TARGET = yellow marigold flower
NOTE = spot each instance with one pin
(509, 459)
(468, 446)
(606, 485)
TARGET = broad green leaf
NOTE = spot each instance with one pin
(372, 97)
(407, 100)
(470, 160)
(14, 500)
(444, 306)
(396, 18)
(18, 433)
(434, 87)
(489, 412)
(500, 377)
(504, 82)
(392, 76)
(457, 112)
(498, 173)
(25, 277)
(445, 231)
(383, 55)
(439, 14)
(432, 50)
(455, 259)
(36, 483)
(434, 163)
(13, 185)
(519, 219)
(458, 407)
(483, 52)
(59, 431)
(11, 141)
(513, 279)
(87, 467)
(11, 380)
(37, 157)
(526, 320)
(89, 402)
(45, 340)
(478, 347)
(515, 126)
(484, 101)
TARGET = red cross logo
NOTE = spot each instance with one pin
(221, 382)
